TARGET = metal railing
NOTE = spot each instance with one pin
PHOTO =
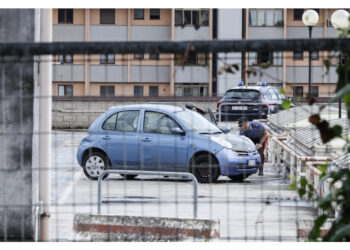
(135, 172)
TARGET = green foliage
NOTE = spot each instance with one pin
(286, 104)
(339, 197)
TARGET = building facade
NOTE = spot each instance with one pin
(132, 74)
(289, 70)
(200, 74)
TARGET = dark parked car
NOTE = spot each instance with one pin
(254, 102)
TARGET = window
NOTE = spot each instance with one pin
(277, 58)
(314, 55)
(138, 90)
(153, 91)
(106, 91)
(273, 95)
(65, 90)
(298, 55)
(266, 17)
(192, 59)
(65, 59)
(265, 57)
(314, 91)
(298, 14)
(158, 123)
(178, 17)
(154, 14)
(110, 123)
(139, 14)
(138, 56)
(127, 121)
(154, 56)
(191, 89)
(252, 58)
(298, 91)
(107, 16)
(65, 15)
(204, 17)
(108, 58)
(196, 18)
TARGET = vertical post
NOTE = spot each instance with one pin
(339, 100)
(45, 82)
(310, 70)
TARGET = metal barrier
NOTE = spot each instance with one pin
(135, 172)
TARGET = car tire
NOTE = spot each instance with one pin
(129, 176)
(203, 170)
(238, 178)
(94, 164)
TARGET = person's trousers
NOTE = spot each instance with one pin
(261, 152)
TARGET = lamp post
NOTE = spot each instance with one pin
(310, 18)
(340, 20)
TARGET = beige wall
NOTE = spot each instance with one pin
(305, 62)
(78, 16)
(165, 18)
(324, 90)
(78, 88)
(127, 89)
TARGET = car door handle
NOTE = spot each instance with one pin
(146, 139)
(106, 138)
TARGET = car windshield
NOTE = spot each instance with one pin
(196, 122)
(242, 94)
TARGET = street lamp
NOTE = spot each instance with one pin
(310, 18)
(340, 20)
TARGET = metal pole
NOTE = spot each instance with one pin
(310, 34)
(45, 83)
(339, 101)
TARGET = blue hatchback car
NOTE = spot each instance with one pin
(153, 137)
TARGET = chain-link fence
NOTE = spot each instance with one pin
(163, 122)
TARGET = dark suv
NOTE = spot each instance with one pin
(252, 102)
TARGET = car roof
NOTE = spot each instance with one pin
(159, 107)
(259, 88)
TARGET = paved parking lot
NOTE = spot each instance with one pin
(260, 208)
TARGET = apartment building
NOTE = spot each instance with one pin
(132, 74)
(289, 70)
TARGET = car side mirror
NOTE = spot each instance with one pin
(177, 131)
(225, 129)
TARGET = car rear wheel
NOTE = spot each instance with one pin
(129, 176)
(205, 168)
(94, 164)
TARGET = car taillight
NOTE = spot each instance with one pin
(264, 106)
(218, 104)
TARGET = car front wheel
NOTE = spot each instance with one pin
(94, 164)
(205, 168)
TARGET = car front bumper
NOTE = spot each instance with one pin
(232, 164)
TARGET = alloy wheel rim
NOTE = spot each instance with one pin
(95, 165)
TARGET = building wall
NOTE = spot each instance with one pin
(229, 27)
(296, 71)
(18, 181)
(125, 70)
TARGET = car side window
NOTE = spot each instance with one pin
(127, 121)
(158, 123)
(109, 124)
(273, 94)
(267, 96)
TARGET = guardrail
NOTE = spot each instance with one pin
(135, 172)
(280, 152)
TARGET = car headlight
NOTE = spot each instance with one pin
(222, 142)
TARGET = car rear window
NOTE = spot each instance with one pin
(242, 94)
